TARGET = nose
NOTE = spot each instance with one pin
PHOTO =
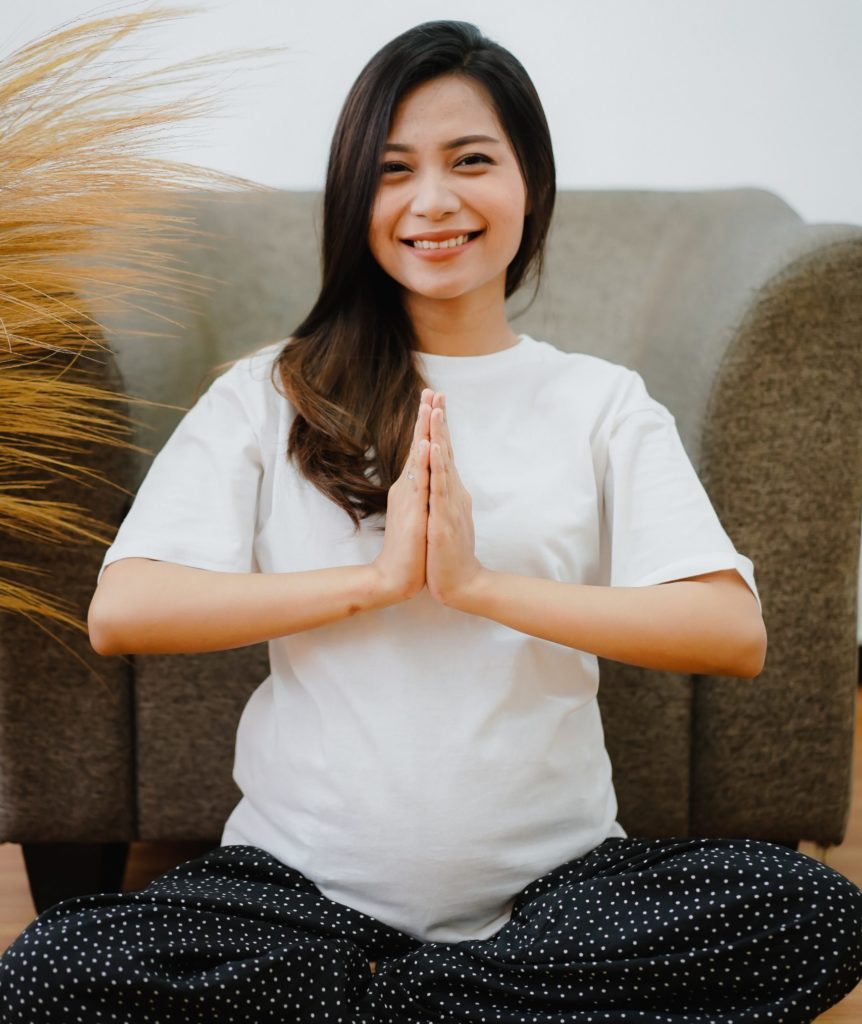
(434, 198)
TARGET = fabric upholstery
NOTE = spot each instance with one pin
(743, 319)
(66, 715)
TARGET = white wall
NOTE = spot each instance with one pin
(666, 94)
(639, 93)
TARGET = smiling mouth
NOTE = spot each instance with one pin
(449, 243)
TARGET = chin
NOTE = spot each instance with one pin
(441, 294)
(444, 290)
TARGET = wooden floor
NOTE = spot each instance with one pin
(148, 860)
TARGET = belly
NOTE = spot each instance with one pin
(439, 853)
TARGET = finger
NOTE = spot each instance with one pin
(421, 428)
(417, 469)
(421, 431)
(440, 434)
(423, 466)
(439, 402)
(426, 400)
(439, 481)
(446, 428)
(424, 409)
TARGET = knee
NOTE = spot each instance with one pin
(827, 906)
(45, 962)
(839, 902)
(26, 975)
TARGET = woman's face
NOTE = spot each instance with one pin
(439, 182)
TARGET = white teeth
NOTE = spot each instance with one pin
(450, 243)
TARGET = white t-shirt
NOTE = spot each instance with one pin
(417, 763)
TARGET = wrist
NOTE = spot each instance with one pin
(472, 597)
(379, 590)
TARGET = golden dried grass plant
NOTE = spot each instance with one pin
(81, 212)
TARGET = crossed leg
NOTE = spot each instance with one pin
(233, 936)
(681, 931)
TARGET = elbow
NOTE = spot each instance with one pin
(114, 610)
(99, 638)
(101, 632)
(738, 653)
(751, 654)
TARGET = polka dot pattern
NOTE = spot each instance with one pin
(670, 931)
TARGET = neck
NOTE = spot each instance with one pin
(468, 325)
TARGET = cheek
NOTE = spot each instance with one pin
(511, 223)
(378, 231)
(509, 208)
(514, 214)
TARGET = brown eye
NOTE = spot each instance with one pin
(475, 156)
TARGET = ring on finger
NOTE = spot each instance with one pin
(411, 476)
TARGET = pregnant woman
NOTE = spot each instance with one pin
(439, 525)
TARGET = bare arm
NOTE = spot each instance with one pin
(708, 624)
(143, 606)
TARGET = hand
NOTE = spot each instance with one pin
(452, 564)
(400, 566)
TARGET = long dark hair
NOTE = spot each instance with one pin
(348, 368)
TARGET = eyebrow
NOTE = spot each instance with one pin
(463, 140)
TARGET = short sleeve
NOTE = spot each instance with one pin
(661, 523)
(197, 505)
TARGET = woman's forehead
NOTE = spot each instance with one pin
(451, 103)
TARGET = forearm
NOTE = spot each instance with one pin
(149, 607)
(682, 626)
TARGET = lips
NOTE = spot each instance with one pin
(435, 241)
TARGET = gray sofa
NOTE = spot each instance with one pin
(743, 319)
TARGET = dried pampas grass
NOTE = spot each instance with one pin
(79, 202)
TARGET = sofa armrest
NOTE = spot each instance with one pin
(66, 739)
(782, 461)
(746, 322)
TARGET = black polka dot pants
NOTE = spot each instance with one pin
(675, 931)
